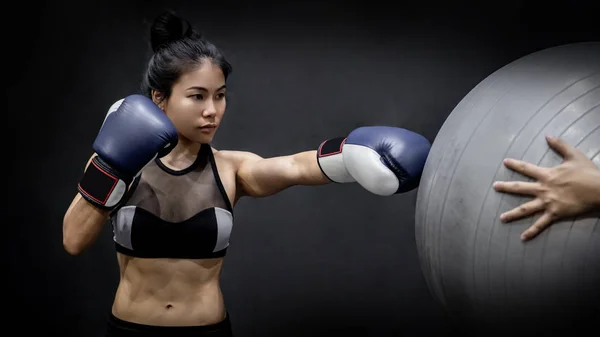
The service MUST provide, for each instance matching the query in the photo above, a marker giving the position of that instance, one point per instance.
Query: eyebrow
(204, 89)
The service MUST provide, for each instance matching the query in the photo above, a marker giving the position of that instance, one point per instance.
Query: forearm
(82, 224)
(309, 172)
(262, 177)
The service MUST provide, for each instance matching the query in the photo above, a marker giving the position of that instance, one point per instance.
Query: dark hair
(177, 48)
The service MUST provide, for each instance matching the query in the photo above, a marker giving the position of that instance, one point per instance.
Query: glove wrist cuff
(103, 186)
(331, 160)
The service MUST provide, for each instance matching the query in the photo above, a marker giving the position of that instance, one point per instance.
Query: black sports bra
(175, 214)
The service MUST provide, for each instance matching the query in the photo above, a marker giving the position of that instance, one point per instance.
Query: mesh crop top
(175, 214)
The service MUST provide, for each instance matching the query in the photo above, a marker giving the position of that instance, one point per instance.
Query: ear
(158, 98)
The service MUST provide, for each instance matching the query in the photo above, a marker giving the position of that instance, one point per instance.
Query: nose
(210, 110)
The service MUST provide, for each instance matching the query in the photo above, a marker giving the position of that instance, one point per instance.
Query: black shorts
(119, 328)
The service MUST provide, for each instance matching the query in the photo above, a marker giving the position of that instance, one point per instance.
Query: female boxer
(569, 189)
(170, 195)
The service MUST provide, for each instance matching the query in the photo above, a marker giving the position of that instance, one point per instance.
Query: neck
(182, 155)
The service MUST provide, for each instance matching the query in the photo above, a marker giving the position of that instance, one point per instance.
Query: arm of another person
(569, 189)
(82, 223)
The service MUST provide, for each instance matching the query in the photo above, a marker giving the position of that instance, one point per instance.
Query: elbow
(71, 243)
(71, 246)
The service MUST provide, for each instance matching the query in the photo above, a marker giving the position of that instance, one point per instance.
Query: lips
(208, 128)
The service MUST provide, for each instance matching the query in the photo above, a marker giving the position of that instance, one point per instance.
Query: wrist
(331, 161)
(596, 188)
(103, 186)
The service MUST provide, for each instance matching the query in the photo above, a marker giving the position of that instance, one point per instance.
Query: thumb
(560, 146)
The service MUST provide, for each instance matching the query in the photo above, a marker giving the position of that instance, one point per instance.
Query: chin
(204, 139)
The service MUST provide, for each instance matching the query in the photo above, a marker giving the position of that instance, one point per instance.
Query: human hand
(569, 189)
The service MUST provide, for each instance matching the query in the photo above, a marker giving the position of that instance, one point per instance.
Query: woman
(569, 189)
(170, 195)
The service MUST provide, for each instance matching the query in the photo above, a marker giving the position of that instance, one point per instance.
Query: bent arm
(261, 177)
(82, 224)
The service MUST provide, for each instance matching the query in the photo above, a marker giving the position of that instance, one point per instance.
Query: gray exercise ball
(477, 266)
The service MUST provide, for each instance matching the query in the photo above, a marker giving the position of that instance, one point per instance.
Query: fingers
(541, 223)
(560, 146)
(526, 209)
(517, 187)
(567, 151)
(525, 168)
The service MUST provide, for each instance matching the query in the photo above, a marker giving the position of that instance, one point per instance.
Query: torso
(175, 291)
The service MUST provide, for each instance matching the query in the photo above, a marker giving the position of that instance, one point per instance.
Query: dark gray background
(310, 261)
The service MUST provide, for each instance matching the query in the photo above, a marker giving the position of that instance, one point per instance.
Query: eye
(198, 96)
(221, 95)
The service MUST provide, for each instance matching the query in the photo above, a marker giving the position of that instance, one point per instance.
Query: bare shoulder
(233, 164)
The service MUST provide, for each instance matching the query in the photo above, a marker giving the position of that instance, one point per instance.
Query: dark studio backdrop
(310, 261)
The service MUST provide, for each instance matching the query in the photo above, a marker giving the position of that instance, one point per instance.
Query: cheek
(175, 114)
(180, 114)
(185, 107)
(220, 107)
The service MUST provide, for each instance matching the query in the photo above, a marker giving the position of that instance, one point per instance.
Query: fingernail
(523, 237)
(503, 217)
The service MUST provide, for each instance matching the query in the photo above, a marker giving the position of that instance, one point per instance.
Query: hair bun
(168, 28)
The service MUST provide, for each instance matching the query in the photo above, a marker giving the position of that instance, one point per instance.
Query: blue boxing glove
(135, 131)
(383, 160)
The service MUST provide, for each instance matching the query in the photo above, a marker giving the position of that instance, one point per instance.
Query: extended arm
(383, 160)
(261, 177)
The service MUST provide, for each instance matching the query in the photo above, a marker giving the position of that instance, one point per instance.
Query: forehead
(207, 75)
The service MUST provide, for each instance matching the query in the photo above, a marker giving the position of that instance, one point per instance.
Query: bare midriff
(169, 292)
